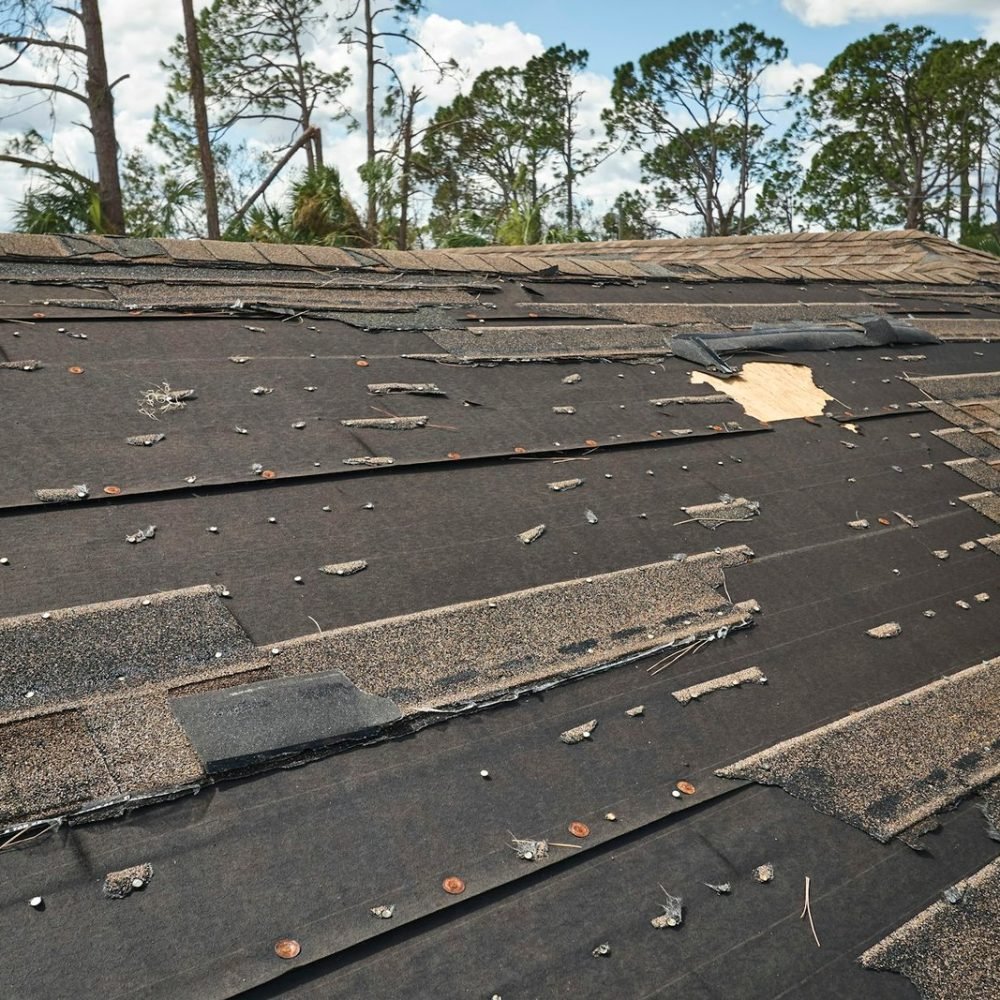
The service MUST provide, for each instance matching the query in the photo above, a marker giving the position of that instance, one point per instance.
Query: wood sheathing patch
(474, 651)
(951, 949)
(887, 767)
(770, 391)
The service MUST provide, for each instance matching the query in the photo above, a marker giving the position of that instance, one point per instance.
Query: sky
(481, 34)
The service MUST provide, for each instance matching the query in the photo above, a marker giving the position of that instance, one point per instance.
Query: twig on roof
(19, 838)
(671, 658)
(316, 623)
(807, 912)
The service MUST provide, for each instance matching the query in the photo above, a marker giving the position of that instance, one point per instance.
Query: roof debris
(579, 733)
(261, 390)
(751, 675)
(981, 598)
(858, 525)
(941, 554)
(240, 359)
(590, 516)
(726, 510)
(21, 366)
(384, 912)
(345, 568)
(145, 440)
(413, 388)
(118, 885)
(565, 484)
(673, 912)
(373, 461)
(532, 534)
(602, 950)
(79, 492)
(886, 631)
(571, 379)
(163, 399)
(569, 410)
(712, 397)
(637, 710)
(387, 423)
(906, 519)
(763, 873)
(720, 888)
(141, 535)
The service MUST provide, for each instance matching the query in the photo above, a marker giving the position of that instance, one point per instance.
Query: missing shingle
(752, 675)
(387, 423)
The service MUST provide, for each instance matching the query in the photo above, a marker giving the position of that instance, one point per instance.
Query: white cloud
(828, 13)
(778, 80)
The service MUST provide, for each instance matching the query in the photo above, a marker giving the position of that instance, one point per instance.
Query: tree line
(902, 128)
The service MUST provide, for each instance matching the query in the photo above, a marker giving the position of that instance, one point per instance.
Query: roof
(400, 605)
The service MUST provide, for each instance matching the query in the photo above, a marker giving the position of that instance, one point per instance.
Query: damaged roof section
(138, 697)
(890, 766)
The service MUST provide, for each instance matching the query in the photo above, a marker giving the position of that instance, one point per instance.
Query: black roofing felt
(307, 852)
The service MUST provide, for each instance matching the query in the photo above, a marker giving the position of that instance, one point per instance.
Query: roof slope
(479, 537)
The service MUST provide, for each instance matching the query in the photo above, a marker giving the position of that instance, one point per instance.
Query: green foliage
(696, 108)
(59, 204)
(509, 149)
(317, 212)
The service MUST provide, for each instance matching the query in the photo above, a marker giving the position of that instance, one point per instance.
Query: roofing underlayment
(361, 634)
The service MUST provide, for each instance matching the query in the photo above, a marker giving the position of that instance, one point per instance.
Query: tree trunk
(201, 121)
(403, 239)
(102, 120)
(372, 221)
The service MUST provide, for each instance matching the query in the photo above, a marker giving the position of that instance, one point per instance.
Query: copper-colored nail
(269, 474)
(519, 450)
(112, 491)
(75, 370)
(454, 454)
(590, 443)
(686, 787)
(453, 885)
(287, 948)
(361, 363)
(579, 829)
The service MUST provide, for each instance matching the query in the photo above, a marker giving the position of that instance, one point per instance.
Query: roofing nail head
(29, 694)
(36, 903)
(4, 561)
(213, 529)
(225, 592)
(272, 520)
(485, 775)
(146, 602)
(297, 579)
(46, 615)
(327, 509)
(138, 883)
(676, 794)
(275, 651)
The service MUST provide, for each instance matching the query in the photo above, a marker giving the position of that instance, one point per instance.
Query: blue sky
(617, 32)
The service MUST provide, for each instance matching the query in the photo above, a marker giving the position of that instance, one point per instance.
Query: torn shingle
(886, 631)
(372, 461)
(887, 767)
(952, 948)
(565, 484)
(63, 495)
(118, 885)
(532, 534)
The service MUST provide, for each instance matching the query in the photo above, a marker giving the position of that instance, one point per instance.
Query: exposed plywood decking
(770, 391)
